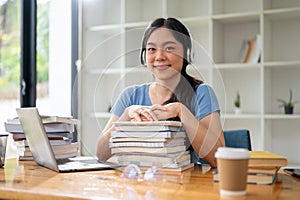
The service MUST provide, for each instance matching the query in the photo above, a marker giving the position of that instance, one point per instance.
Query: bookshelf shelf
(111, 33)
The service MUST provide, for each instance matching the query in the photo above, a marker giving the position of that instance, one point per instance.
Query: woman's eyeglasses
(132, 171)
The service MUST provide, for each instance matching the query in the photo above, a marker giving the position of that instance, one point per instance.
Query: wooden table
(27, 180)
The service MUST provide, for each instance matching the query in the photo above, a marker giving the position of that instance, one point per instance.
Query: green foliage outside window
(10, 43)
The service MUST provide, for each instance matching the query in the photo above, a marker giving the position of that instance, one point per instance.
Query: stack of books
(59, 131)
(263, 167)
(161, 144)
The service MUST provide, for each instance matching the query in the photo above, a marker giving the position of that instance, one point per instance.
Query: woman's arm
(103, 151)
(205, 135)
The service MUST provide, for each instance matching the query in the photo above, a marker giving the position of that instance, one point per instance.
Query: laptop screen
(36, 137)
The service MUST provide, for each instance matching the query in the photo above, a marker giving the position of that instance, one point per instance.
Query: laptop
(41, 149)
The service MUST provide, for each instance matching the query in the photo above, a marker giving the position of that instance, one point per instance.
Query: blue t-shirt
(203, 103)
(206, 101)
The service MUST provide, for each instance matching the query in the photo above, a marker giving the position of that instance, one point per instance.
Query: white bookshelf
(111, 33)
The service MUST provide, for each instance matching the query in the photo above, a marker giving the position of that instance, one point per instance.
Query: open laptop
(42, 151)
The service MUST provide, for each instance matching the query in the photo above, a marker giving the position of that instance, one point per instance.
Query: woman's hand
(163, 112)
(141, 113)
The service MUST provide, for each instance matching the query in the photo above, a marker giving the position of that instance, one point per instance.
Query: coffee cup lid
(232, 153)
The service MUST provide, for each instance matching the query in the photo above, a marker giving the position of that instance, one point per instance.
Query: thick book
(51, 136)
(172, 170)
(155, 158)
(149, 126)
(254, 178)
(48, 119)
(57, 156)
(63, 141)
(57, 149)
(146, 144)
(266, 159)
(154, 150)
(156, 164)
(145, 139)
(49, 127)
(148, 134)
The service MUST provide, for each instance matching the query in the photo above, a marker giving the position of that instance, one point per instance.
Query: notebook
(42, 151)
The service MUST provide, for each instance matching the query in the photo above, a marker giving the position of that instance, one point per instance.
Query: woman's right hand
(139, 113)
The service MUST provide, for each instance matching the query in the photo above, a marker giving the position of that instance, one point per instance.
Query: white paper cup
(232, 168)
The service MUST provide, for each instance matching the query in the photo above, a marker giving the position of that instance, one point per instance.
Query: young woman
(174, 94)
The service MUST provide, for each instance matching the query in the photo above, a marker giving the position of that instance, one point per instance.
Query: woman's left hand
(163, 112)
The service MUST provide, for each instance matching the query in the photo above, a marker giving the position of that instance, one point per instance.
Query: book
(62, 141)
(154, 150)
(149, 126)
(148, 123)
(49, 127)
(243, 51)
(256, 51)
(148, 134)
(157, 164)
(263, 167)
(57, 149)
(51, 136)
(143, 139)
(249, 50)
(57, 156)
(172, 170)
(47, 119)
(146, 144)
(164, 158)
(254, 178)
(265, 159)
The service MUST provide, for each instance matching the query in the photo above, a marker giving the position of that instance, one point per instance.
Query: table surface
(27, 180)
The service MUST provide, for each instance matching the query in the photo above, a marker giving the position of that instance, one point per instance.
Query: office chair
(237, 138)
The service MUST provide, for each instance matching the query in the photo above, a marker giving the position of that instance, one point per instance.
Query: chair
(237, 138)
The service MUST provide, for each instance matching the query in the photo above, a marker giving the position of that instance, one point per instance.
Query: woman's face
(164, 54)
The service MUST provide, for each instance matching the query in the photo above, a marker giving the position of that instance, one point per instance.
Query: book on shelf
(49, 127)
(243, 51)
(250, 51)
(157, 126)
(256, 50)
(265, 159)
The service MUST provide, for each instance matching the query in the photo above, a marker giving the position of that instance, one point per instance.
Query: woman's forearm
(205, 135)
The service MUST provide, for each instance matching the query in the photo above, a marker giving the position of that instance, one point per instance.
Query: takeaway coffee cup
(3, 142)
(232, 166)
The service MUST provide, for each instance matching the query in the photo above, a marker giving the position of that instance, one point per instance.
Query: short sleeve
(206, 101)
(133, 95)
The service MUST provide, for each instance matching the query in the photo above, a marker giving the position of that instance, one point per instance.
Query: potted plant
(288, 105)
(237, 103)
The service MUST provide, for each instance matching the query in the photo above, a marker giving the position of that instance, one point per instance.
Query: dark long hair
(186, 88)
